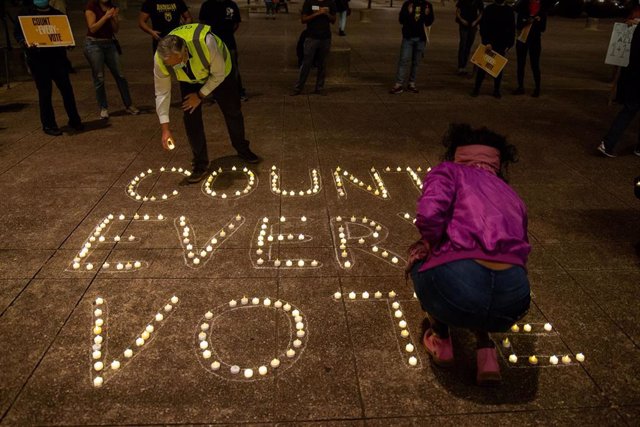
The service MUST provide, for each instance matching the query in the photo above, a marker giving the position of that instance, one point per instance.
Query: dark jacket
(498, 27)
(629, 81)
(522, 16)
(413, 23)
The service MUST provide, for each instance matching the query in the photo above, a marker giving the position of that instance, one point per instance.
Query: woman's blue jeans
(411, 52)
(100, 53)
(468, 295)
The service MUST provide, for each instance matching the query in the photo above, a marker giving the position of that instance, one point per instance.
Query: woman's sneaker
(603, 150)
(488, 367)
(397, 89)
(441, 350)
(132, 110)
(104, 113)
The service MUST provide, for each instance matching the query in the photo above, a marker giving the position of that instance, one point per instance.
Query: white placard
(620, 45)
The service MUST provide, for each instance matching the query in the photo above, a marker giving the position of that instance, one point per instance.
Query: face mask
(41, 3)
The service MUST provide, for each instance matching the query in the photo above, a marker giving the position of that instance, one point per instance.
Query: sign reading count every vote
(47, 30)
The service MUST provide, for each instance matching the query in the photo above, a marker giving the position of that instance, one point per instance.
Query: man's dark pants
(467, 37)
(315, 53)
(228, 98)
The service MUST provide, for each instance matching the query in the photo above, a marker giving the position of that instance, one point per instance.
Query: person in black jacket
(532, 14)
(498, 32)
(631, 99)
(223, 16)
(415, 16)
(49, 65)
(468, 15)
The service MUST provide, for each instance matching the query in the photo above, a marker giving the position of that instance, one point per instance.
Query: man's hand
(110, 13)
(166, 136)
(325, 10)
(488, 48)
(464, 22)
(155, 35)
(191, 102)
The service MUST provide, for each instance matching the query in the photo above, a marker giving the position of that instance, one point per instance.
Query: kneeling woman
(474, 226)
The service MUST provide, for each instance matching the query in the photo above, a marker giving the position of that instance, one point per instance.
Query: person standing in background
(468, 15)
(49, 65)
(498, 32)
(531, 18)
(415, 16)
(318, 15)
(223, 16)
(165, 15)
(101, 48)
(343, 10)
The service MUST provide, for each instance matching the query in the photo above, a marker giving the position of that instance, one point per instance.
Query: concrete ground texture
(317, 334)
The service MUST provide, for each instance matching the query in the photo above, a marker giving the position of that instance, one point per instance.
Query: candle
(365, 295)
(215, 365)
(115, 365)
(206, 354)
(409, 348)
(291, 352)
(513, 358)
(140, 342)
(527, 328)
(97, 382)
(159, 317)
(262, 370)
(402, 324)
(235, 369)
(98, 366)
(413, 361)
(404, 333)
(533, 360)
(548, 327)
(553, 360)
(398, 314)
(378, 295)
(275, 363)
(515, 328)
(580, 357)
(248, 373)
(145, 335)
(96, 355)
(128, 353)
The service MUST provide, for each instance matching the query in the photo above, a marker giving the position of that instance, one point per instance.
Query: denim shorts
(465, 294)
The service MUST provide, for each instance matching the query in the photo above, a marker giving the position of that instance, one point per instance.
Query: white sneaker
(104, 113)
(636, 151)
(603, 150)
(132, 110)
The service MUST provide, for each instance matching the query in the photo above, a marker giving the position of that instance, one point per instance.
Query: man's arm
(216, 69)
(143, 17)
(162, 84)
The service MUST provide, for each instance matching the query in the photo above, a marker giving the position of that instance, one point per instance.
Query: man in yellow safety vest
(202, 65)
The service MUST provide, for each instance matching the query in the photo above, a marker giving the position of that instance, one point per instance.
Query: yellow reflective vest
(199, 55)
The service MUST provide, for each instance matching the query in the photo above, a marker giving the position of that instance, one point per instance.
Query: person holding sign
(201, 63)
(468, 15)
(498, 32)
(531, 23)
(49, 65)
(630, 89)
(102, 49)
(416, 17)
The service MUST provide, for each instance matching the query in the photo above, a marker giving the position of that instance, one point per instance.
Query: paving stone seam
(606, 314)
(95, 275)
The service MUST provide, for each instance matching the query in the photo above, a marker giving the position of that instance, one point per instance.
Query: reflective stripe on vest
(199, 55)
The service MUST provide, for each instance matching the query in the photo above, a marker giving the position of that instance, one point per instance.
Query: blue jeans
(619, 125)
(411, 52)
(100, 53)
(342, 20)
(468, 295)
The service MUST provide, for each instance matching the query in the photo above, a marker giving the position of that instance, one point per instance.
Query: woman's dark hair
(460, 134)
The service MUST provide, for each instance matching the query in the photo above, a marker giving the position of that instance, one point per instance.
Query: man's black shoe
(52, 131)
(342, 33)
(320, 92)
(536, 93)
(518, 91)
(249, 156)
(196, 176)
(497, 94)
(295, 92)
(475, 93)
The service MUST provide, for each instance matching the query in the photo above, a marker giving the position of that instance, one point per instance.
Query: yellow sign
(524, 33)
(47, 30)
(490, 61)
